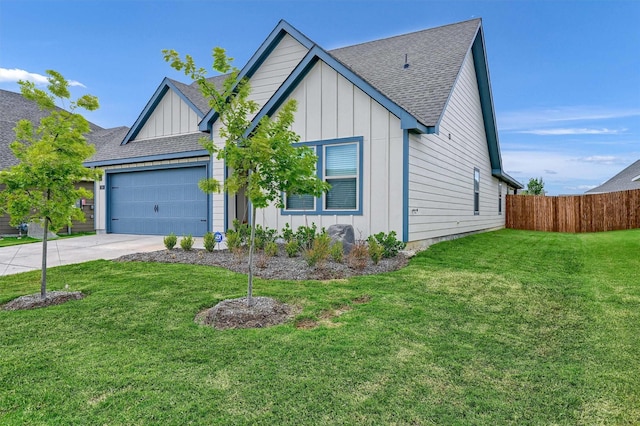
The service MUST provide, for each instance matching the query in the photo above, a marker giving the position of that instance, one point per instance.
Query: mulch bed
(279, 267)
(33, 301)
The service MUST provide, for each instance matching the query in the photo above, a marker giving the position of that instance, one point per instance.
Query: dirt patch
(279, 267)
(33, 301)
(236, 313)
(362, 299)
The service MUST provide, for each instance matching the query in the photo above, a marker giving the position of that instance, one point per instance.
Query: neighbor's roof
(434, 57)
(627, 179)
(15, 107)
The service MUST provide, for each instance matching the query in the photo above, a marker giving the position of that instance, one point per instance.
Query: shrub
(337, 252)
(319, 253)
(243, 230)
(209, 241)
(264, 236)
(292, 248)
(271, 249)
(306, 235)
(359, 256)
(390, 244)
(375, 250)
(170, 241)
(287, 233)
(234, 240)
(186, 243)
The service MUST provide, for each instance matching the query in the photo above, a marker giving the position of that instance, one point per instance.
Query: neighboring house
(404, 129)
(627, 179)
(13, 108)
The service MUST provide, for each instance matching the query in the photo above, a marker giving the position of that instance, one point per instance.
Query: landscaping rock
(344, 234)
(35, 230)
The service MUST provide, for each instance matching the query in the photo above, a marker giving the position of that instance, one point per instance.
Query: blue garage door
(158, 202)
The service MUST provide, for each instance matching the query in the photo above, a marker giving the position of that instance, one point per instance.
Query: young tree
(42, 186)
(264, 162)
(535, 187)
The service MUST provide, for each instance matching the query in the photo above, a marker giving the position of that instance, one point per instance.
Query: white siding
(330, 107)
(172, 116)
(100, 197)
(441, 179)
(275, 69)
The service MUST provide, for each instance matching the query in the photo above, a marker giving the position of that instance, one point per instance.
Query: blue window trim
(110, 172)
(319, 202)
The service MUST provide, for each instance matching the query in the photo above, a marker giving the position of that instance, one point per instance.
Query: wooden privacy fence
(575, 213)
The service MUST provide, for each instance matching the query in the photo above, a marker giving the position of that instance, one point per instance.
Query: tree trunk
(43, 281)
(251, 245)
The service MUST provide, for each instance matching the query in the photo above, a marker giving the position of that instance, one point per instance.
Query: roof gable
(166, 85)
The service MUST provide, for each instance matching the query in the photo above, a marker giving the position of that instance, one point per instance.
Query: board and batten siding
(275, 69)
(172, 116)
(331, 107)
(441, 170)
(265, 81)
(100, 195)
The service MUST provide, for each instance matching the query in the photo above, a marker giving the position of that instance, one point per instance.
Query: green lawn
(509, 327)
(14, 241)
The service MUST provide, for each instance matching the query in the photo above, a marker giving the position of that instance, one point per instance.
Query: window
(500, 198)
(341, 172)
(340, 165)
(476, 191)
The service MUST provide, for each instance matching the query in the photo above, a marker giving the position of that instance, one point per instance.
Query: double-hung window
(340, 165)
(341, 172)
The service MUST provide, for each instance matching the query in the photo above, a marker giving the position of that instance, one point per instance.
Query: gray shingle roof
(112, 150)
(14, 107)
(623, 181)
(434, 56)
(192, 92)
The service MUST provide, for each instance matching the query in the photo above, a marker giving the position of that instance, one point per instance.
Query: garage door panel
(158, 202)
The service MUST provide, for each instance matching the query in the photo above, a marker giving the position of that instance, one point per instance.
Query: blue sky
(565, 74)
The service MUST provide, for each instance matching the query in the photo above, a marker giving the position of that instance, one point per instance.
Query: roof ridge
(406, 34)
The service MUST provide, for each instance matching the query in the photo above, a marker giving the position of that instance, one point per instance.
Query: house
(627, 179)
(13, 108)
(404, 130)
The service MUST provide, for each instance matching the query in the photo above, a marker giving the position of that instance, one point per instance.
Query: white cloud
(15, 74)
(603, 159)
(572, 131)
(544, 117)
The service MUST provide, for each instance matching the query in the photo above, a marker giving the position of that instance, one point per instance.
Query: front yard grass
(508, 327)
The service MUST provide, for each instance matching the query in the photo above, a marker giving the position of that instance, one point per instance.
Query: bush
(359, 256)
(170, 241)
(337, 252)
(264, 236)
(287, 233)
(243, 230)
(271, 249)
(306, 235)
(319, 253)
(375, 250)
(186, 243)
(234, 240)
(292, 248)
(390, 244)
(209, 241)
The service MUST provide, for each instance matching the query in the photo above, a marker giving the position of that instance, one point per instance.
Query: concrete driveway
(28, 257)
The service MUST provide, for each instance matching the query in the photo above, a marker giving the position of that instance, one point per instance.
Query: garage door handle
(113, 218)
(203, 220)
(155, 208)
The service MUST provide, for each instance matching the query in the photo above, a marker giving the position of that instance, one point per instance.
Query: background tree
(534, 187)
(42, 186)
(264, 162)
